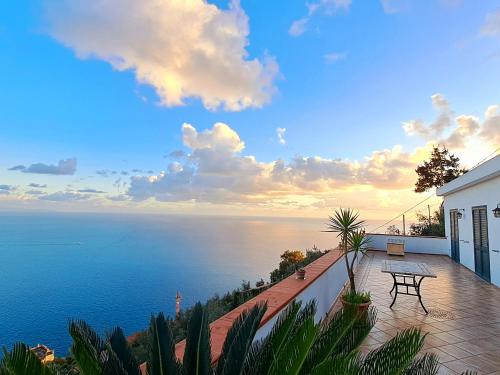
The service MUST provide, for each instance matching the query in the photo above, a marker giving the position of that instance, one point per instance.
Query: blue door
(454, 236)
(481, 246)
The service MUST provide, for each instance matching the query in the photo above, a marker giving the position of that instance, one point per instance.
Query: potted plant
(301, 273)
(353, 241)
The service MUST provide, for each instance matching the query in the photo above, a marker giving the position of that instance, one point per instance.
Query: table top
(407, 268)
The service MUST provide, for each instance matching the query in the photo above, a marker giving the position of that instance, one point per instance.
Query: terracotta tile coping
(277, 297)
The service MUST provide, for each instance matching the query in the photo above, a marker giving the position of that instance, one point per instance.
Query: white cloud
(325, 7)
(280, 133)
(394, 6)
(334, 57)
(438, 127)
(491, 26)
(490, 129)
(467, 126)
(457, 132)
(184, 49)
(298, 27)
(220, 138)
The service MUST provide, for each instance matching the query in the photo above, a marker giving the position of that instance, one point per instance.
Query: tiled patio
(463, 323)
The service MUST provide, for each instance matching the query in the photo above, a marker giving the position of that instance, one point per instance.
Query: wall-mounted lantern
(460, 213)
(496, 211)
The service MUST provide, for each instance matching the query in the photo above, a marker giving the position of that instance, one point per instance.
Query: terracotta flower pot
(361, 308)
(301, 274)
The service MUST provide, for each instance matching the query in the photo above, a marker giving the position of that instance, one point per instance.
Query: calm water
(117, 269)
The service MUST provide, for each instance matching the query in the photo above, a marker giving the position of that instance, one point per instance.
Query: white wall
(325, 290)
(486, 193)
(413, 244)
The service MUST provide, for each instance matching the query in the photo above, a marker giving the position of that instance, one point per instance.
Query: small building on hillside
(44, 354)
(472, 219)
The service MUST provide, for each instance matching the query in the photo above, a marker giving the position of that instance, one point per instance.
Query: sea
(117, 269)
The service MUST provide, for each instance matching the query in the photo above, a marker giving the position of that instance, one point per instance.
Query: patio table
(414, 272)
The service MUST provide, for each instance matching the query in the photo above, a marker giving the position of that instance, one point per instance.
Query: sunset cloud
(34, 185)
(65, 196)
(184, 49)
(457, 132)
(6, 189)
(217, 171)
(63, 167)
(90, 190)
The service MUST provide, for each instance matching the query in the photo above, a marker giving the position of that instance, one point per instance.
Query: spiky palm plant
(345, 222)
(22, 361)
(296, 345)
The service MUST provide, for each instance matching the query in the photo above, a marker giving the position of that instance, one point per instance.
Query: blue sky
(342, 87)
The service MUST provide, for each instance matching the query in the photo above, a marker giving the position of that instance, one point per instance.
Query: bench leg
(394, 287)
(417, 288)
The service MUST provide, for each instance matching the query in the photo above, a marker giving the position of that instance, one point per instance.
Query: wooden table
(407, 270)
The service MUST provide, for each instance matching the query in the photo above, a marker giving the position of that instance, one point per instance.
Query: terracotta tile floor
(463, 323)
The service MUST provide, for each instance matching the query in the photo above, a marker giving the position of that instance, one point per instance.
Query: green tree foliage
(392, 230)
(442, 167)
(293, 260)
(434, 228)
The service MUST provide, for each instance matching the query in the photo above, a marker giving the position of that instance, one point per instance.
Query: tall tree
(441, 168)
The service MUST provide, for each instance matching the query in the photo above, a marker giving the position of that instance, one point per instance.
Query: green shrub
(357, 297)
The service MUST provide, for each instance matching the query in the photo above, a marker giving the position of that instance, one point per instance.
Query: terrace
(463, 323)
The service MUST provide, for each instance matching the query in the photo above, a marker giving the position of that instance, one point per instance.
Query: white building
(472, 228)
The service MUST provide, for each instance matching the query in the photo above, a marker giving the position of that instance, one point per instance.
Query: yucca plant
(345, 223)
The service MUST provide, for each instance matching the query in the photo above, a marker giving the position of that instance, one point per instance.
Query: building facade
(472, 219)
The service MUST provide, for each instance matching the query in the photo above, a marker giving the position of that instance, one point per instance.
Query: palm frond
(341, 334)
(344, 221)
(428, 364)
(396, 355)
(345, 364)
(261, 353)
(239, 340)
(358, 241)
(86, 348)
(197, 354)
(305, 314)
(91, 353)
(22, 361)
(120, 347)
(291, 357)
(362, 327)
(162, 358)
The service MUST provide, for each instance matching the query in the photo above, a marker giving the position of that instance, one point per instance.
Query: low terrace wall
(413, 244)
(325, 279)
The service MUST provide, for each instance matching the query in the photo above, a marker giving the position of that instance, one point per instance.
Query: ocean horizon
(117, 269)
